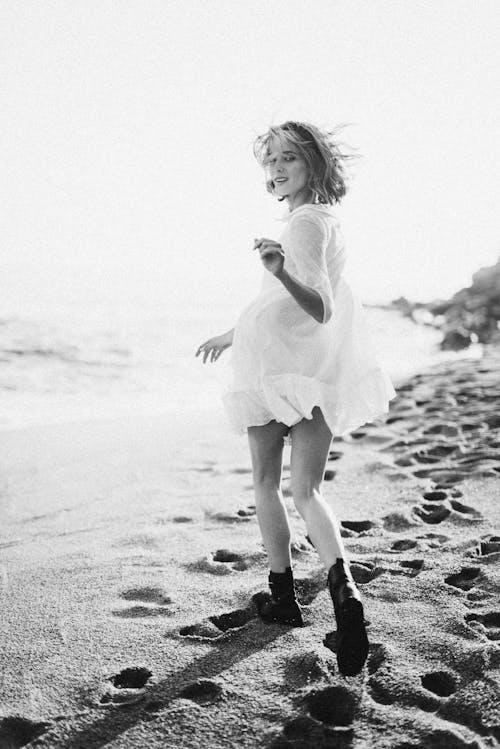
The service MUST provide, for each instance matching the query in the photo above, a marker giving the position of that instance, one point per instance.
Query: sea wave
(63, 366)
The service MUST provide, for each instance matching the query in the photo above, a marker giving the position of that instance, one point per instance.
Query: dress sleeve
(306, 245)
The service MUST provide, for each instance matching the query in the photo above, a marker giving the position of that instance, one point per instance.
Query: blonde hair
(320, 150)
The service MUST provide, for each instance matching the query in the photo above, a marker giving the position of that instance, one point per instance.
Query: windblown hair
(328, 177)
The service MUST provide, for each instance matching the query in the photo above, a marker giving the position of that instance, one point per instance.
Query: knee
(303, 496)
(265, 482)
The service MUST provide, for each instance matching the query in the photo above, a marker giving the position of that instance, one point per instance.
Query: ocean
(86, 360)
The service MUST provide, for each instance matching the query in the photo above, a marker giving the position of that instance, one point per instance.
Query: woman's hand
(271, 254)
(215, 346)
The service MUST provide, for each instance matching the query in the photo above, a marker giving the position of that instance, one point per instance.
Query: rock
(455, 340)
(472, 314)
(403, 305)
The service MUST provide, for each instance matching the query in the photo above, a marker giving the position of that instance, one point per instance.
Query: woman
(301, 370)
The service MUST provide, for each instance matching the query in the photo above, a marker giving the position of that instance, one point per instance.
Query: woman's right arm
(215, 346)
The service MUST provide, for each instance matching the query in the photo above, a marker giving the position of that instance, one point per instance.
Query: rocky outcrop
(471, 315)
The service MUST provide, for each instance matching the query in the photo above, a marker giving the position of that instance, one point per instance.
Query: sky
(127, 130)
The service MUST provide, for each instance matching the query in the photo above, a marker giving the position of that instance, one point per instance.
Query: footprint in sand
(442, 683)
(150, 595)
(489, 623)
(301, 731)
(442, 476)
(448, 479)
(16, 731)
(422, 456)
(358, 435)
(435, 496)
(466, 579)
(414, 565)
(441, 451)
(127, 687)
(446, 430)
(329, 709)
(230, 557)
(478, 595)
(388, 685)
(432, 514)
(394, 419)
(222, 562)
(462, 509)
(202, 691)
(334, 705)
(215, 627)
(358, 526)
(365, 572)
(404, 544)
(240, 516)
(248, 513)
(398, 521)
(298, 546)
(434, 540)
(156, 599)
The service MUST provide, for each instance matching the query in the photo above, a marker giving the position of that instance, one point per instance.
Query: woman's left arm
(306, 246)
(309, 299)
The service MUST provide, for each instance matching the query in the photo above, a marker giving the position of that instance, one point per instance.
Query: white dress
(283, 362)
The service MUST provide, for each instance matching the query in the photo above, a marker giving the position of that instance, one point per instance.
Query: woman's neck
(300, 199)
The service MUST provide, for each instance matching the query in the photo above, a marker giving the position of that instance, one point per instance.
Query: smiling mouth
(281, 179)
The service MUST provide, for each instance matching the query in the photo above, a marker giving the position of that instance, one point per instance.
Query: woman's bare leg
(310, 444)
(266, 450)
(311, 439)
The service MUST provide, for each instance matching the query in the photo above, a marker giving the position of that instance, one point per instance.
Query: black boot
(352, 641)
(281, 606)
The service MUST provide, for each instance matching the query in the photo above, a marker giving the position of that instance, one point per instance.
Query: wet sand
(130, 552)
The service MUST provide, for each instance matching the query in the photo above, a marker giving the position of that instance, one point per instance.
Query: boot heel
(281, 606)
(352, 640)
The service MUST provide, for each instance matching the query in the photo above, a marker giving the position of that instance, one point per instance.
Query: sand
(130, 551)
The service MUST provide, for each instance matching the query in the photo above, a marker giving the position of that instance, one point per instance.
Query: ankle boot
(281, 606)
(352, 641)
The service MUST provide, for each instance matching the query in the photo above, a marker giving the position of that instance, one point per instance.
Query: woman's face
(288, 170)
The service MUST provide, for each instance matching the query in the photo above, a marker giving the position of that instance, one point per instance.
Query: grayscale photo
(250, 374)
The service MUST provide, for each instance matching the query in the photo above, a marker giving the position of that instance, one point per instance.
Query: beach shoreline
(130, 552)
